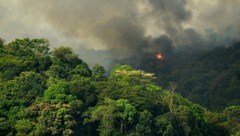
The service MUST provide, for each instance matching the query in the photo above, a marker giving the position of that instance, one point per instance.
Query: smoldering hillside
(123, 30)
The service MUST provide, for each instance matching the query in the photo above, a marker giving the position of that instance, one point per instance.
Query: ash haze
(102, 31)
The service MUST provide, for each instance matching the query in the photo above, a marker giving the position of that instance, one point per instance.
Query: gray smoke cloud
(102, 31)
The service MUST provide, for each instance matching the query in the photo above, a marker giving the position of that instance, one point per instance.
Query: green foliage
(98, 73)
(28, 85)
(104, 114)
(119, 68)
(23, 127)
(5, 126)
(65, 57)
(12, 66)
(56, 93)
(167, 125)
(62, 52)
(232, 115)
(144, 127)
(84, 90)
(210, 78)
(126, 112)
(1, 42)
(81, 70)
(27, 47)
(24, 55)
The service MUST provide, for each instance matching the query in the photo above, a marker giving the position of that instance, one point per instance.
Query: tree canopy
(56, 93)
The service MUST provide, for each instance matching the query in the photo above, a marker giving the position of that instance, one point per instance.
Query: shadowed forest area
(45, 92)
(208, 77)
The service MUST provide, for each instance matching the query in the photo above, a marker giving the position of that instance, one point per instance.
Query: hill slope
(210, 78)
(43, 93)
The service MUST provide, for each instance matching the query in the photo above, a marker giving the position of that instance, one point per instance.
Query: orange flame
(159, 56)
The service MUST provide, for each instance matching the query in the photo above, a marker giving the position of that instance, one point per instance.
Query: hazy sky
(103, 30)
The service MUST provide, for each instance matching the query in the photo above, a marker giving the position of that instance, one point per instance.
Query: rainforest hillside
(208, 77)
(56, 93)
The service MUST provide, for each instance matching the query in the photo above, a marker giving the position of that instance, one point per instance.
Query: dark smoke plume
(103, 31)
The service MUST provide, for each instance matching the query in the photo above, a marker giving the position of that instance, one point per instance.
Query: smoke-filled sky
(101, 31)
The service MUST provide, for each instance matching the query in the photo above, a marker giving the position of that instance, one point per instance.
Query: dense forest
(208, 77)
(45, 92)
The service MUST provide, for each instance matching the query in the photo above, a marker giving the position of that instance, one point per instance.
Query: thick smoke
(113, 30)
